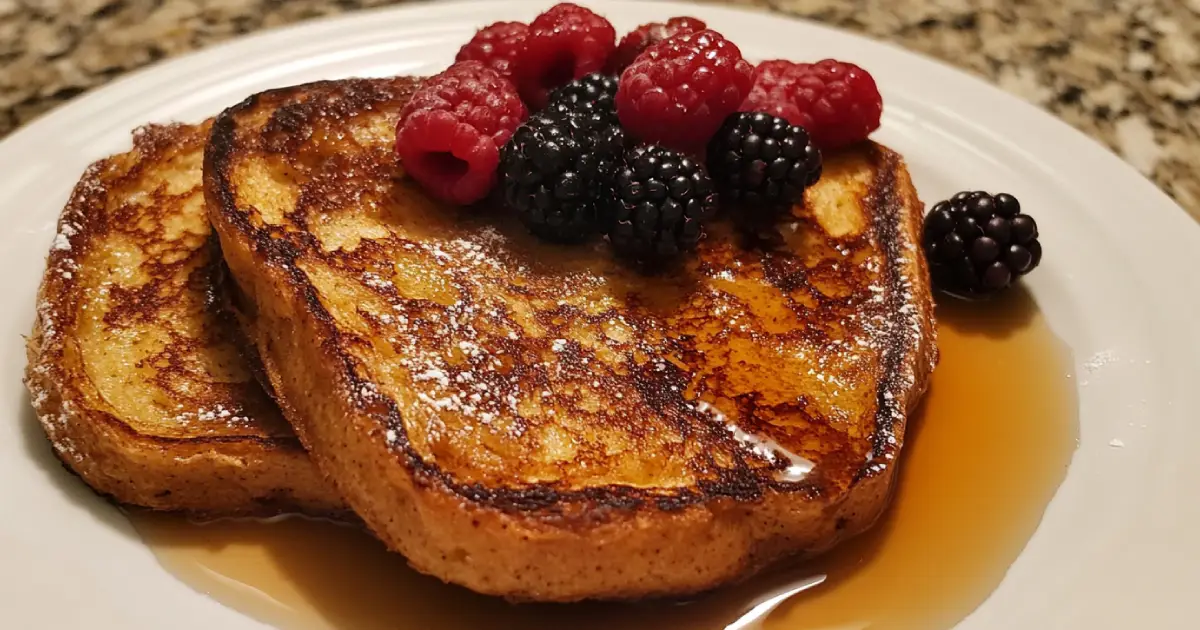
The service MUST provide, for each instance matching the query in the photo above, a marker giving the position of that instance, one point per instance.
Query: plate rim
(1068, 138)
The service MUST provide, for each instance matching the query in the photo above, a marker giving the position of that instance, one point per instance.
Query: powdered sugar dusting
(464, 376)
(375, 281)
(433, 374)
(218, 413)
(62, 240)
(1099, 360)
(66, 301)
(497, 353)
(56, 422)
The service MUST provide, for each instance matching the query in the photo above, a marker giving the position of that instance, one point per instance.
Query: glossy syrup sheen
(984, 454)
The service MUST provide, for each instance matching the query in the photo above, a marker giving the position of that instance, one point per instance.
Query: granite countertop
(1126, 72)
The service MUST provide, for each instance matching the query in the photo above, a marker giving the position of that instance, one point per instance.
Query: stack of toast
(520, 418)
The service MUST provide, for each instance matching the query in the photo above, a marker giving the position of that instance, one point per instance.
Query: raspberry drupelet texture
(645, 36)
(838, 103)
(451, 131)
(496, 46)
(770, 73)
(679, 91)
(566, 42)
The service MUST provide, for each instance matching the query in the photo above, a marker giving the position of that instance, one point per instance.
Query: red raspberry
(496, 46)
(770, 73)
(772, 79)
(564, 43)
(647, 35)
(451, 131)
(837, 102)
(679, 91)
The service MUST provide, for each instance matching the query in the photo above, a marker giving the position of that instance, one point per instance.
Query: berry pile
(979, 243)
(643, 140)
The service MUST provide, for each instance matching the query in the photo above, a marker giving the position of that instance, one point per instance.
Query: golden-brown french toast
(544, 422)
(135, 372)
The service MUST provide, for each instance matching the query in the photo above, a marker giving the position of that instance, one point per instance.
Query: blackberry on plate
(555, 170)
(978, 243)
(594, 93)
(762, 161)
(660, 201)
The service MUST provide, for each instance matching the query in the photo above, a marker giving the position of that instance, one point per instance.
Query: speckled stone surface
(1127, 72)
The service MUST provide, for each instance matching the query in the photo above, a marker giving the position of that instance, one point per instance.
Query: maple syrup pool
(964, 508)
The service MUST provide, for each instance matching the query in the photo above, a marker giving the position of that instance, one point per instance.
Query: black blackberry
(594, 93)
(760, 161)
(660, 201)
(555, 169)
(979, 243)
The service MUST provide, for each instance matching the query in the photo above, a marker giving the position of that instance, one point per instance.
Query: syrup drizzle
(797, 467)
(984, 455)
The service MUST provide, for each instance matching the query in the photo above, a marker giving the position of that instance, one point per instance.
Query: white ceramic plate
(1118, 547)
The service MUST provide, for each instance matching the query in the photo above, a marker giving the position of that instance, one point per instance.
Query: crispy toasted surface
(544, 422)
(135, 372)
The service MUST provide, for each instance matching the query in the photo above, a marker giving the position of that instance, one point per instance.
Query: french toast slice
(136, 374)
(544, 422)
